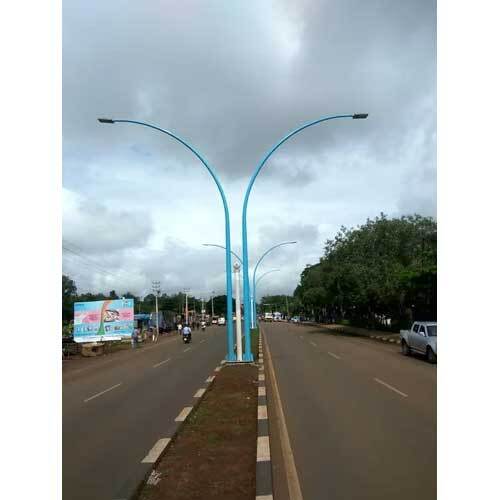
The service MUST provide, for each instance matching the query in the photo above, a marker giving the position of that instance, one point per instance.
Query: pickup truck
(422, 338)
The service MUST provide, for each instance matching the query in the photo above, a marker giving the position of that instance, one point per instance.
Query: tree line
(382, 274)
(174, 302)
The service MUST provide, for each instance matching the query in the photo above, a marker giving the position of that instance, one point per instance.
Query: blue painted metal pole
(254, 306)
(229, 283)
(254, 295)
(246, 281)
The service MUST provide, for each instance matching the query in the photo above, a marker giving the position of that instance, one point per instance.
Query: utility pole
(186, 310)
(213, 293)
(287, 311)
(156, 291)
(239, 352)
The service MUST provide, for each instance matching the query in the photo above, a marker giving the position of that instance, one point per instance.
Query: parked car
(422, 338)
(215, 320)
(295, 319)
(221, 321)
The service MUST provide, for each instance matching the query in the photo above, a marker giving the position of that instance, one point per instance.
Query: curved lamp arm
(246, 280)
(265, 274)
(223, 247)
(268, 251)
(229, 284)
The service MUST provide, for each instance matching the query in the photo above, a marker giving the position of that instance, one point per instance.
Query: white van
(221, 321)
(268, 316)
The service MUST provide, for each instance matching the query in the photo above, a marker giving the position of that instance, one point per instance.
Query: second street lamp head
(105, 120)
(360, 116)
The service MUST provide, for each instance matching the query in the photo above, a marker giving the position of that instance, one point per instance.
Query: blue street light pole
(246, 281)
(253, 307)
(229, 284)
(253, 299)
(254, 296)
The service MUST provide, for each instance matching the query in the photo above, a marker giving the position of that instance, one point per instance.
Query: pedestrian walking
(179, 328)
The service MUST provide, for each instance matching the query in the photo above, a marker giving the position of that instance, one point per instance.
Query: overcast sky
(232, 78)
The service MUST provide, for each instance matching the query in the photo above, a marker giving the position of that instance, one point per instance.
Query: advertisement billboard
(103, 320)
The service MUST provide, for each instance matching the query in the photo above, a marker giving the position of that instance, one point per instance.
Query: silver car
(422, 338)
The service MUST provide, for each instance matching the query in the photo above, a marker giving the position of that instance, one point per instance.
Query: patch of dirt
(213, 456)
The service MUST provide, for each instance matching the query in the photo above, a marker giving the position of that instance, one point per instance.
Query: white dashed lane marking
(333, 355)
(390, 387)
(161, 362)
(102, 392)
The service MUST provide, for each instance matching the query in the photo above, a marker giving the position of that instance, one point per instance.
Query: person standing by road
(179, 328)
(135, 337)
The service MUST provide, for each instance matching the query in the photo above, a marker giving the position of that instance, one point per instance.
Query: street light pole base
(248, 358)
(231, 357)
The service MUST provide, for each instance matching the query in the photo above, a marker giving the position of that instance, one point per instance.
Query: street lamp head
(105, 120)
(360, 116)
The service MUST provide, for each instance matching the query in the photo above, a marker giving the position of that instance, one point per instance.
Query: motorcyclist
(186, 330)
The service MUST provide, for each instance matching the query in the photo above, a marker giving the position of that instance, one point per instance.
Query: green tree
(385, 268)
(69, 294)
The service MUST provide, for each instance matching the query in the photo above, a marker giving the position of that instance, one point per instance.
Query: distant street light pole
(156, 290)
(186, 309)
(229, 284)
(237, 267)
(254, 297)
(213, 293)
(253, 307)
(246, 280)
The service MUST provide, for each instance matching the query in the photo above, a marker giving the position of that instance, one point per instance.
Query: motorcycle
(186, 338)
(203, 326)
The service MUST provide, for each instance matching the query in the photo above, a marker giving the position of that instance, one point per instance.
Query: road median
(213, 454)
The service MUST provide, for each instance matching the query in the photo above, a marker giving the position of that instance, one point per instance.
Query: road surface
(116, 408)
(360, 417)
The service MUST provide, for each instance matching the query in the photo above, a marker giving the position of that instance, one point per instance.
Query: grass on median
(213, 456)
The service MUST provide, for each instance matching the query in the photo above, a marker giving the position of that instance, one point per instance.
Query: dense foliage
(380, 274)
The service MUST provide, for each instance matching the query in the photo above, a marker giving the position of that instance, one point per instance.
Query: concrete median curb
(343, 330)
(391, 340)
(156, 453)
(263, 469)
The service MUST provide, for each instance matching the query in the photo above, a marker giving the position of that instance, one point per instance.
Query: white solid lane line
(390, 387)
(161, 362)
(334, 355)
(312, 343)
(101, 393)
(186, 350)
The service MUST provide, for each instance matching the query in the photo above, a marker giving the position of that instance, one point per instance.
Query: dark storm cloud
(232, 78)
(218, 74)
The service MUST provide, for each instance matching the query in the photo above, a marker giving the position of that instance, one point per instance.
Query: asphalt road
(115, 408)
(361, 417)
